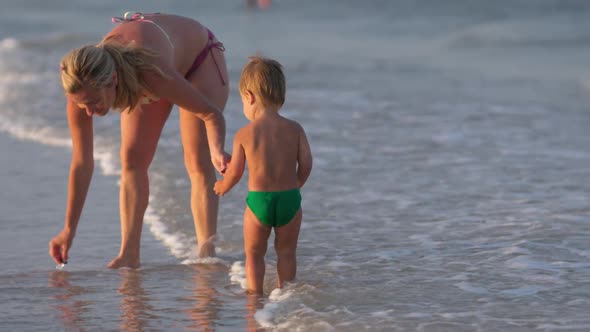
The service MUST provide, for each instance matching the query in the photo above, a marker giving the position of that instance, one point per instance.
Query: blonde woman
(144, 66)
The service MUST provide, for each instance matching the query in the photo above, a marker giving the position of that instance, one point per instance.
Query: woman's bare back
(182, 36)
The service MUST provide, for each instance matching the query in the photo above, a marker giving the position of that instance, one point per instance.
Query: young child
(279, 162)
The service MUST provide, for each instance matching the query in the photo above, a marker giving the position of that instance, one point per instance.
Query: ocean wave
(519, 34)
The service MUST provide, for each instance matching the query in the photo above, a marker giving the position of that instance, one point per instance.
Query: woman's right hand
(220, 161)
(60, 245)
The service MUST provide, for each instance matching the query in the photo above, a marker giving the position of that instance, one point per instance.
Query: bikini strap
(219, 45)
(137, 16)
(128, 17)
(211, 42)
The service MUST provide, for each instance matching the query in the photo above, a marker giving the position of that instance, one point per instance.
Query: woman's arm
(81, 169)
(235, 170)
(179, 91)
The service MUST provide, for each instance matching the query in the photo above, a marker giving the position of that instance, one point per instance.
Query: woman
(144, 66)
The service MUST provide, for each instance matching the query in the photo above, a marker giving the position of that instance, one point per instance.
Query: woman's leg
(197, 158)
(255, 244)
(204, 202)
(286, 247)
(140, 131)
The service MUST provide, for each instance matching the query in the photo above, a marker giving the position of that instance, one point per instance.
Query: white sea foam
(382, 314)
(569, 327)
(237, 274)
(205, 261)
(583, 253)
(50, 136)
(514, 250)
(277, 298)
(44, 135)
(455, 315)
(525, 262)
(338, 264)
(10, 79)
(288, 309)
(459, 277)
(106, 161)
(471, 288)
(9, 44)
(570, 265)
(417, 315)
(578, 302)
(178, 243)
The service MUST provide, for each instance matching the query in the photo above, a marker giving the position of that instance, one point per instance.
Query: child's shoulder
(298, 127)
(293, 123)
(244, 131)
(248, 132)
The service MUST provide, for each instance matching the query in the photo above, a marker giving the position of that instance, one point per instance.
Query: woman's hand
(221, 161)
(60, 245)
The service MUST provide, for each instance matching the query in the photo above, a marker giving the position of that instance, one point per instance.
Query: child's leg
(255, 243)
(286, 246)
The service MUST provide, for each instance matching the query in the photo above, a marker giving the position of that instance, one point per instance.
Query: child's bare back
(271, 145)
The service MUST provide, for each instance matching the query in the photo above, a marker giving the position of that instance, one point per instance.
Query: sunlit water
(449, 190)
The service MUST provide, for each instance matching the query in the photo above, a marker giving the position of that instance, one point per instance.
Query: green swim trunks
(274, 208)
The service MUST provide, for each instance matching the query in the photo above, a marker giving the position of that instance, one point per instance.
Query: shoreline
(34, 206)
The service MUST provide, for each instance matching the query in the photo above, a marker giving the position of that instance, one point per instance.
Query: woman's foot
(120, 262)
(207, 248)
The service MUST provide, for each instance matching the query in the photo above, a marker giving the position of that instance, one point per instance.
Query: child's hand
(218, 188)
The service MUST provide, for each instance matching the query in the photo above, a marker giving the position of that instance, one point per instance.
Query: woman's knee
(135, 159)
(199, 168)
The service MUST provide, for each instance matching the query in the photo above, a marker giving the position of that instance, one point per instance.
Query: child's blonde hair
(265, 79)
(95, 64)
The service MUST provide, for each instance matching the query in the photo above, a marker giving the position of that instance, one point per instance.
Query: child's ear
(251, 97)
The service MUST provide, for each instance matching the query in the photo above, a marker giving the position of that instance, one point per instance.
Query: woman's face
(95, 101)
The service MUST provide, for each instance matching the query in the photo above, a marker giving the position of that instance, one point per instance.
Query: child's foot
(120, 262)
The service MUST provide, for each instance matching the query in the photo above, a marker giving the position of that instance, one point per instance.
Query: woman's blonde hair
(94, 65)
(265, 79)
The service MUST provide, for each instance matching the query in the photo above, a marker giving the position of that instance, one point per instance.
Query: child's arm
(304, 159)
(235, 170)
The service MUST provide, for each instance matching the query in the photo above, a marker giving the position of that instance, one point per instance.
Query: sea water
(449, 191)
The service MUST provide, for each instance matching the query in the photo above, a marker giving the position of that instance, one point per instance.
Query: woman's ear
(115, 78)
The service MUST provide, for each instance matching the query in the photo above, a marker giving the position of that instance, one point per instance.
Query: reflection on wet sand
(135, 307)
(254, 302)
(205, 302)
(69, 308)
(206, 298)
